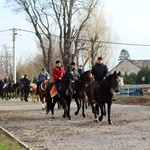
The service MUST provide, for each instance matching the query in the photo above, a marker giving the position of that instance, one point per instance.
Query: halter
(42, 87)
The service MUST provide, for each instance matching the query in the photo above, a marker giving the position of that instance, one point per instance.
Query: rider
(42, 75)
(58, 74)
(5, 82)
(99, 71)
(21, 80)
(35, 80)
(80, 70)
(25, 80)
(73, 68)
(76, 74)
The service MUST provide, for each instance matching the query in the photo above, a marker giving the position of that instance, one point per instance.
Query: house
(130, 66)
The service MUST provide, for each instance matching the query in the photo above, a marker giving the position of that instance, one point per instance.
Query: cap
(73, 63)
(99, 58)
(57, 61)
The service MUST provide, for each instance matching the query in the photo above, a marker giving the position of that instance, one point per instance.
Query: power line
(6, 30)
(88, 40)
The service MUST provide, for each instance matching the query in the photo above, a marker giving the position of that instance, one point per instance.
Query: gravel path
(27, 121)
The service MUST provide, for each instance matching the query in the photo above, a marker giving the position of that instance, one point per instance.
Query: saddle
(53, 91)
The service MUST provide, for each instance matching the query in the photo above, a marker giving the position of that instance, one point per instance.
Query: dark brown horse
(80, 88)
(104, 94)
(25, 90)
(64, 96)
(42, 92)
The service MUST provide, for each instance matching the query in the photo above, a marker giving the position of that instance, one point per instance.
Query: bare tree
(6, 61)
(36, 13)
(96, 32)
(65, 14)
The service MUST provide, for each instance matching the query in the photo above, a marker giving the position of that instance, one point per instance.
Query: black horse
(8, 91)
(80, 96)
(64, 96)
(25, 90)
(1, 88)
(104, 94)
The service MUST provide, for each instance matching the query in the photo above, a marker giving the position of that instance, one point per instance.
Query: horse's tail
(48, 98)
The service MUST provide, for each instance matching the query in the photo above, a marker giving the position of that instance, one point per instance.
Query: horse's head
(86, 76)
(114, 81)
(70, 75)
(44, 84)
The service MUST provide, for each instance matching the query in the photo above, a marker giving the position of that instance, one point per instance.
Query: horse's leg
(102, 112)
(94, 112)
(78, 106)
(68, 105)
(62, 100)
(43, 105)
(83, 103)
(52, 107)
(26, 96)
(109, 111)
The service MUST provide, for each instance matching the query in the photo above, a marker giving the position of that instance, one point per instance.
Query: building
(130, 66)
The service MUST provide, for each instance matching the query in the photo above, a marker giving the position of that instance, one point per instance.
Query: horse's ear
(119, 73)
(114, 72)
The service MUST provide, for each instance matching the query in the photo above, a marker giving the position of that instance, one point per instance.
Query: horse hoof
(76, 113)
(84, 116)
(110, 123)
(96, 120)
(64, 116)
(52, 117)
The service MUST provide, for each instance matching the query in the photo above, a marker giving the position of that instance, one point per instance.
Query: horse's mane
(83, 75)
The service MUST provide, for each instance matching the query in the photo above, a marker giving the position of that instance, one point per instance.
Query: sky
(130, 22)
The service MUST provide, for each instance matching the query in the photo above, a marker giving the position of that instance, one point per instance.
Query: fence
(134, 90)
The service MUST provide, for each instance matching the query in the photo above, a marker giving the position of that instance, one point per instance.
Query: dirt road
(27, 121)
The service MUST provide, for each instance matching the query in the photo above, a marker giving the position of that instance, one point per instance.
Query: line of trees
(143, 77)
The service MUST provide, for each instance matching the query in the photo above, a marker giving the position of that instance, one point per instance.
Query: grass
(8, 143)
(137, 100)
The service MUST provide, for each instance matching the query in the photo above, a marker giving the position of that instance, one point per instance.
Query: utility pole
(14, 54)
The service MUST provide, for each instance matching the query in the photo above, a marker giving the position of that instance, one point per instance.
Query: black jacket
(99, 71)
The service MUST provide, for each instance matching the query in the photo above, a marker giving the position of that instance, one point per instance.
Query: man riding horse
(43, 75)
(99, 71)
(58, 74)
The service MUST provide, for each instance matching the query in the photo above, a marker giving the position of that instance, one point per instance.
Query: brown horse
(80, 96)
(42, 93)
(33, 88)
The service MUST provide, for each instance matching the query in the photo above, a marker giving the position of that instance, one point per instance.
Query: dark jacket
(76, 73)
(99, 71)
(81, 71)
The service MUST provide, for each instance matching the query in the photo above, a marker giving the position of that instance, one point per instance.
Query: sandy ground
(27, 121)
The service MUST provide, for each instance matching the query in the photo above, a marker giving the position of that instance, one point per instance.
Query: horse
(33, 89)
(1, 88)
(104, 94)
(64, 95)
(25, 90)
(16, 89)
(42, 92)
(8, 90)
(80, 88)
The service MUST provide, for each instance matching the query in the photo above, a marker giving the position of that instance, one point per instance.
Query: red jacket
(58, 72)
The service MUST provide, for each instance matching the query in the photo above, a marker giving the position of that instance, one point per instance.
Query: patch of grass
(137, 100)
(8, 143)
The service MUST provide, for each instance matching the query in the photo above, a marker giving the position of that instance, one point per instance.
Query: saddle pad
(53, 91)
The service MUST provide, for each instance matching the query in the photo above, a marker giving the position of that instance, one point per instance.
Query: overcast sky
(131, 22)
